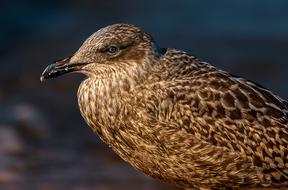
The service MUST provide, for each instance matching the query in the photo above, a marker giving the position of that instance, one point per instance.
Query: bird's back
(201, 108)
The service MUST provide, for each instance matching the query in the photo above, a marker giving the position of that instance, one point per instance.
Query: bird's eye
(112, 50)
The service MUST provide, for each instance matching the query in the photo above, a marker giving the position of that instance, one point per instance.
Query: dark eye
(112, 50)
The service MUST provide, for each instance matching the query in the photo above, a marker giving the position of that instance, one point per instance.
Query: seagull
(177, 118)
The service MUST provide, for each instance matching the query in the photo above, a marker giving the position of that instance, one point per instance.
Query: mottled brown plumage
(177, 118)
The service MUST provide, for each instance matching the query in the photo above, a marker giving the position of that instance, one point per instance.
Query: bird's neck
(102, 96)
(102, 101)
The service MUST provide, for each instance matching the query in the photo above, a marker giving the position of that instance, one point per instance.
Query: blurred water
(247, 38)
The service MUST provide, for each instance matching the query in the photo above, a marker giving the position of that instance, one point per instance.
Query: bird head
(119, 47)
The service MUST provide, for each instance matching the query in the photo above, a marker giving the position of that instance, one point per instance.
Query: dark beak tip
(46, 73)
(59, 68)
(42, 78)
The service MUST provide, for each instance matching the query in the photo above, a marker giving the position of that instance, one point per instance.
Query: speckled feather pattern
(179, 119)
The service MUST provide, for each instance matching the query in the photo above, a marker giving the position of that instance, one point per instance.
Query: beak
(59, 68)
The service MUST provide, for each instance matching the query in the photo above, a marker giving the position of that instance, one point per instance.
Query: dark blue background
(47, 144)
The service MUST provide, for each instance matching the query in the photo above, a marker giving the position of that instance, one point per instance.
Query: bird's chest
(101, 107)
(111, 117)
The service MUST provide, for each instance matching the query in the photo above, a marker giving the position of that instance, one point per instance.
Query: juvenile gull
(175, 117)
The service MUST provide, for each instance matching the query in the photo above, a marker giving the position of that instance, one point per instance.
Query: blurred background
(44, 142)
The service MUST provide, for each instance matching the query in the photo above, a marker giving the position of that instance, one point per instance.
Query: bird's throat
(101, 100)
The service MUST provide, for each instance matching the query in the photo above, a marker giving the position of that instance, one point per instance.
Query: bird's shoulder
(221, 109)
(187, 74)
(178, 64)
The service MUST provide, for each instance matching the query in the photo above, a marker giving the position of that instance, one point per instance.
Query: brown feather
(179, 119)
